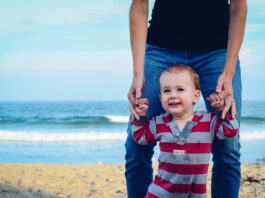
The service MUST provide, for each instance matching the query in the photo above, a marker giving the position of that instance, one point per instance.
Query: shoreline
(95, 180)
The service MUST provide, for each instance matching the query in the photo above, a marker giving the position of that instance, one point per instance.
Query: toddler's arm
(226, 128)
(223, 128)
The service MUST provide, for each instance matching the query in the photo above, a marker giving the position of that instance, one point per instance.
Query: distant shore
(94, 180)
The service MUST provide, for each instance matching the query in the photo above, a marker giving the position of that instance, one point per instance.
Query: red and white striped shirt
(184, 156)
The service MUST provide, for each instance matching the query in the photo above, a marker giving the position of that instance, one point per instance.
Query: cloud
(18, 16)
(256, 2)
(255, 28)
(256, 7)
(112, 62)
(249, 57)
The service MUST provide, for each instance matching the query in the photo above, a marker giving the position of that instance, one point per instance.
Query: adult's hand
(135, 93)
(224, 90)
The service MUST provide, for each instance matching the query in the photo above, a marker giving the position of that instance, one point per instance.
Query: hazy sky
(80, 50)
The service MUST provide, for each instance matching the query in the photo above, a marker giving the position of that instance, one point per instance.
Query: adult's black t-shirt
(189, 24)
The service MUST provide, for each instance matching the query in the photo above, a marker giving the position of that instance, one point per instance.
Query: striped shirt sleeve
(144, 131)
(225, 128)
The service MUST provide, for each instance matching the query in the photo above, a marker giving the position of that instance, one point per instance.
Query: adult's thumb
(219, 86)
(138, 94)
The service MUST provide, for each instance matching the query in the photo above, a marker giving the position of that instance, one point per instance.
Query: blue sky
(80, 50)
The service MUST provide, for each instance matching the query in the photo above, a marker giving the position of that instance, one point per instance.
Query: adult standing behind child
(185, 136)
(206, 35)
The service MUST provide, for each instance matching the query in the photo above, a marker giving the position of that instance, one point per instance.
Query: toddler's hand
(216, 102)
(142, 106)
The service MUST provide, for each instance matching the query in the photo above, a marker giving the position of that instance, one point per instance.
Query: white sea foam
(59, 137)
(254, 135)
(24, 136)
(120, 119)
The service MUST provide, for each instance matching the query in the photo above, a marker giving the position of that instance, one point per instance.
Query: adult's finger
(131, 96)
(219, 86)
(138, 86)
(138, 93)
(133, 112)
(228, 102)
(226, 109)
(233, 109)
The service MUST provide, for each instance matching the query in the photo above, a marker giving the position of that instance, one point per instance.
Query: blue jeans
(209, 65)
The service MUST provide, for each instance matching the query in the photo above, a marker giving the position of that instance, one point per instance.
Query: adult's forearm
(238, 13)
(138, 33)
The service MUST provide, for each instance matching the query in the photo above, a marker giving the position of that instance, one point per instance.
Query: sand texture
(95, 180)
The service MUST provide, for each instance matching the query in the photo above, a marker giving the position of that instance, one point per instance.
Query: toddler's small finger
(211, 98)
(216, 97)
(216, 103)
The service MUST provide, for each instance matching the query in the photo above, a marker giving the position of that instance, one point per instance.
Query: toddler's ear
(197, 95)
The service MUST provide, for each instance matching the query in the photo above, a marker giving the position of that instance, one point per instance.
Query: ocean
(93, 132)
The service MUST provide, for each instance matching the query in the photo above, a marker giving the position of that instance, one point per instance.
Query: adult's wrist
(230, 63)
(138, 74)
(229, 70)
(228, 74)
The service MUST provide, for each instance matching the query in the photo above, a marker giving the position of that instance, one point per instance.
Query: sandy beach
(94, 180)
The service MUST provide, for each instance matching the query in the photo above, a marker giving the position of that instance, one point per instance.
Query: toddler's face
(177, 93)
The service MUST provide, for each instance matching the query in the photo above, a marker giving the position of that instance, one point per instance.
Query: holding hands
(142, 106)
(224, 91)
(135, 93)
(219, 104)
(216, 102)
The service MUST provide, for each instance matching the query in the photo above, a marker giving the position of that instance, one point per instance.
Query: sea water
(93, 132)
